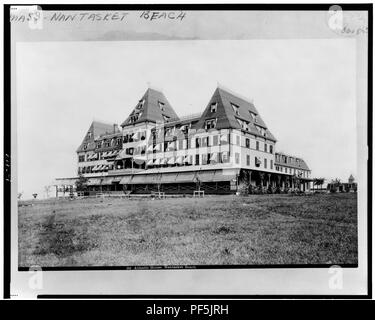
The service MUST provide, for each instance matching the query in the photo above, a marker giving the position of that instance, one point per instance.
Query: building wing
(96, 129)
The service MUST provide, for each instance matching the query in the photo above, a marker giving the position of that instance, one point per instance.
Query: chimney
(115, 128)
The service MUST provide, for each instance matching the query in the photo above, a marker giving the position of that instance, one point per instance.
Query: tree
(318, 182)
(81, 183)
(35, 195)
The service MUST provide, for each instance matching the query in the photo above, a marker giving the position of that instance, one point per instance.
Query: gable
(153, 107)
(231, 112)
(95, 130)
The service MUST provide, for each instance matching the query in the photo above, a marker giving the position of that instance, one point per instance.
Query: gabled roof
(227, 117)
(149, 108)
(95, 131)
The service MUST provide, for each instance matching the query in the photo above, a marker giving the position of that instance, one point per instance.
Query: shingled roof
(153, 106)
(96, 130)
(228, 118)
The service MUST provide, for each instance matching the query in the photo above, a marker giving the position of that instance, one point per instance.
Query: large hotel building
(221, 150)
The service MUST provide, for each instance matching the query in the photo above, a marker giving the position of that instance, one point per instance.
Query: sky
(305, 91)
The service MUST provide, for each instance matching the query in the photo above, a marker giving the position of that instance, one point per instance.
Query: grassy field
(258, 229)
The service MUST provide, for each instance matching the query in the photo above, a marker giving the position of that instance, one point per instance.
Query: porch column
(250, 177)
(261, 174)
(269, 180)
(278, 181)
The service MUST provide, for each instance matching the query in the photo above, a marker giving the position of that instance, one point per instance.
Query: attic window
(261, 130)
(214, 107)
(236, 109)
(161, 105)
(140, 104)
(210, 124)
(84, 146)
(89, 134)
(166, 118)
(253, 116)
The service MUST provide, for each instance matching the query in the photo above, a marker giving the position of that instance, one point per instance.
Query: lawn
(257, 229)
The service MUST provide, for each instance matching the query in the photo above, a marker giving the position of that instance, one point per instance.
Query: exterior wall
(230, 142)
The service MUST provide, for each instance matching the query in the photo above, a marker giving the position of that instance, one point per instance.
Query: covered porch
(272, 182)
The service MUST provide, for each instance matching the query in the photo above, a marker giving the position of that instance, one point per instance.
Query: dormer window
(84, 146)
(140, 104)
(210, 124)
(89, 135)
(166, 118)
(261, 130)
(253, 116)
(236, 109)
(213, 107)
(161, 105)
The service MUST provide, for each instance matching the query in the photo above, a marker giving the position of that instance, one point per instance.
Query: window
(237, 157)
(204, 159)
(225, 157)
(224, 139)
(257, 145)
(253, 116)
(265, 163)
(215, 141)
(213, 107)
(245, 126)
(205, 142)
(210, 124)
(140, 104)
(238, 140)
(180, 144)
(197, 159)
(271, 164)
(89, 135)
(247, 142)
(166, 118)
(271, 149)
(236, 109)
(84, 146)
(257, 162)
(265, 147)
(161, 105)
(248, 160)
(197, 142)
(261, 130)
(81, 158)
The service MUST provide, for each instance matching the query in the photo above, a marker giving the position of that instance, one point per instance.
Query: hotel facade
(226, 148)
